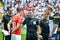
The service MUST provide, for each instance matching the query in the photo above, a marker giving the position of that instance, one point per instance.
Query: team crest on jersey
(34, 22)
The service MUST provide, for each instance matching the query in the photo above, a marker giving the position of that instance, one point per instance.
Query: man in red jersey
(16, 25)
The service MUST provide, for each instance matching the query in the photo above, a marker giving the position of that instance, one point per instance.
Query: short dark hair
(8, 8)
(19, 9)
(18, 1)
(49, 8)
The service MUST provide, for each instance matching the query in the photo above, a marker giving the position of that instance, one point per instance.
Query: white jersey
(51, 25)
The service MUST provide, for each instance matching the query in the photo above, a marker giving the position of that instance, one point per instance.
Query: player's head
(30, 13)
(19, 9)
(9, 9)
(46, 14)
(19, 3)
(49, 9)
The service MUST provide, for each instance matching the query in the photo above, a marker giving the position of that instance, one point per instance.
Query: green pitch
(23, 34)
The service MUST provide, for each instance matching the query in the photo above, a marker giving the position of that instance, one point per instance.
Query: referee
(59, 31)
(44, 25)
(57, 21)
(32, 26)
(5, 19)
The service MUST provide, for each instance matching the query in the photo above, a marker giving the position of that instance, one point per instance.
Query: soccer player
(57, 22)
(16, 25)
(59, 31)
(44, 26)
(32, 26)
(52, 25)
(6, 18)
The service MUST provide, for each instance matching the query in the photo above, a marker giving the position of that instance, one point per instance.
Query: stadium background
(39, 8)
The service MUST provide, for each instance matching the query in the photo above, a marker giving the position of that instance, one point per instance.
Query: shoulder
(4, 16)
(36, 19)
(27, 18)
(51, 17)
(43, 20)
(15, 16)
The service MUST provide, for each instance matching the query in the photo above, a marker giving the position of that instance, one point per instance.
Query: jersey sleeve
(14, 18)
(37, 22)
(19, 20)
(25, 21)
(59, 25)
(3, 18)
(41, 23)
(15, 21)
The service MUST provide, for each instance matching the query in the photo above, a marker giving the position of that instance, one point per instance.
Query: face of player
(10, 11)
(46, 14)
(30, 13)
(47, 9)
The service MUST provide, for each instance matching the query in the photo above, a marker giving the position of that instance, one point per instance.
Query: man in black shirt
(32, 26)
(5, 20)
(44, 25)
(57, 21)
(59, 31)
(52, 25)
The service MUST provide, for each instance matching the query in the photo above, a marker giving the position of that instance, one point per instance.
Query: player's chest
(31, 22)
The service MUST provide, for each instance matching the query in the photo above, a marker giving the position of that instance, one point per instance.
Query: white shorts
(15, 37)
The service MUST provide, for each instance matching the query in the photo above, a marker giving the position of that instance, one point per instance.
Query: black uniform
(31, 28)
(44, 24)
(57, 21)
(6, 18)
(59, 32)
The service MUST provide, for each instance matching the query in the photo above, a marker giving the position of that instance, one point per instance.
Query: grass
(23, 34)
(1, 35)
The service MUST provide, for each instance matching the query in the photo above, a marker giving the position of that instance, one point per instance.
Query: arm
(3, 22)
(3, 25)
(24, 22)
(54, 28)
(59, 28)
(18, 25)
(39, 30)
(38, 26)
(8, 25)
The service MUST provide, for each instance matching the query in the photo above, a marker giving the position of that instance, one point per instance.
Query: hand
(40, 36)
(58, 29)
(9, 31)
(11, 28)
(12, 31)
(50, 35)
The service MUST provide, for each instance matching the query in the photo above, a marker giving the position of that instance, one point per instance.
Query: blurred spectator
(58, 5)
(29, 7)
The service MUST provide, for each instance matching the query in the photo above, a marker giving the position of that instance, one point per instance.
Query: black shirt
(59, 25)
(51, 18)
(56, 18)
(44, 24)
(5, 19)
(31, 24)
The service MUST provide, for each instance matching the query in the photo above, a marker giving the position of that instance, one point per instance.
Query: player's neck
(47, 18)
(51, 13)
(9, 14)
(31, 16)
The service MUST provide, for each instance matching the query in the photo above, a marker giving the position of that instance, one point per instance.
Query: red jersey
(15, 20)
